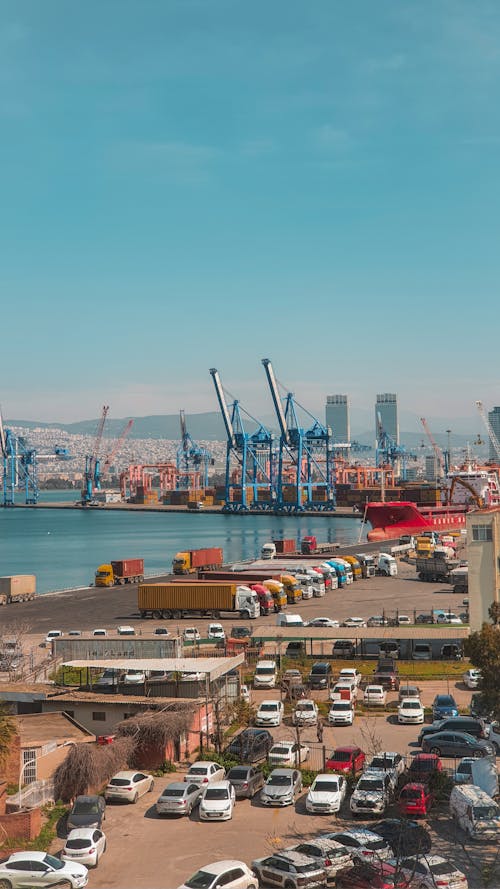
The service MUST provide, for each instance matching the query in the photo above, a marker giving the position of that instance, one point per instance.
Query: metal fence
(35, 794)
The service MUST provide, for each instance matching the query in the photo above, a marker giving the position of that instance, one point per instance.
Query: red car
(372, 876)
(415, 799)
(423, 766)
(346, 759)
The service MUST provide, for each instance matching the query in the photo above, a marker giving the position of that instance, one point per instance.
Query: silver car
(281, 788)
(178, 798)
(289, 869)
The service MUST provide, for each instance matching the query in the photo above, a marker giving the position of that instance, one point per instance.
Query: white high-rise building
(337, 417)
(387, 407)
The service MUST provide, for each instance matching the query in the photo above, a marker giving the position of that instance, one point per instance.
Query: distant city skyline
(190, 185)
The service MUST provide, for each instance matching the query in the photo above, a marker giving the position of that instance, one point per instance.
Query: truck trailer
(179, 599)
(116, 573)
(17, 588)
(436, 568)
(191, 560)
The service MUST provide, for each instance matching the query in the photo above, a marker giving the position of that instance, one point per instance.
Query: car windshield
(411, 705)
(264, 708)
(341, 705)
(481, 812)
(200, 880)
(326, 787)
(306, 705)
(79, 843)
(280, 751)
(217, 793)
(441, 868)
(367, 784)
(444, 701)
(197, 770)
(85, 807)
(56, 863)
(119, 782)
(340, 756)
(279, 780)
(465, 768)
(238, 774)
(423, 765)
(376, 845)
(382, 762)
(264, 671)
(172, 792)
(410, 793)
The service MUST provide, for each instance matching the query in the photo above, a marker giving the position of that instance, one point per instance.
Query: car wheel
(151, 786)
(289, 884)
(497, 748)
(104, 847)
(436, 750)
(135, 797)
(477, 754)
(4, 884)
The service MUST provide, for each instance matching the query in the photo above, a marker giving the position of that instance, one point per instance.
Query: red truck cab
(266, 600)
(308, 544)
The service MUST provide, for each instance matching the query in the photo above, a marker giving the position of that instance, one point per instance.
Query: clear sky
(196, 183)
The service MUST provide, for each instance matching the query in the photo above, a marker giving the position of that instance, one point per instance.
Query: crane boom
(489, 428)
(434, 445)
(278, 407)
(184, 433)
(3, 444)
(100, 430)
(223, 406)
(117, 445)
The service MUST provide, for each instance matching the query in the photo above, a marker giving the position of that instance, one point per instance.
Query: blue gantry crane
(387, 451)
(19, 467)
(92, 480)
(250, 458)
(191, 458)
(305, 454)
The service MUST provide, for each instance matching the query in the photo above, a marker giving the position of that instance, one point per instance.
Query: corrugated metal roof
(213, 667)
(422, 632)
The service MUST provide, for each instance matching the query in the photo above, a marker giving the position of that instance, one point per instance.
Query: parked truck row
(179, 599)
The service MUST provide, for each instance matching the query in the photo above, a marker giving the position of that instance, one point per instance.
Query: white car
(134, 677)
(448, 618)
(85, 845)
(323, 622)
(100, 632)
(354, 622)
(410, 711)
(341, 713)
(374, 694)
(204, 772)
(343, 691)
(53, 634)
(287, 753)
(350, 673)
(217, 801)
(125, 630)
(392, 764)
(27, 869)
(245, 694)
(472, 678)
(269, 713)
(372, 794)
(305, 713)
(129, 786)
(430, 871)
(191, 634)
(216, 631)
(326, 794)
(404, 620)
(230, 874)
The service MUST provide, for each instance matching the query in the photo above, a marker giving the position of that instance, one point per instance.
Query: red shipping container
(287, 545)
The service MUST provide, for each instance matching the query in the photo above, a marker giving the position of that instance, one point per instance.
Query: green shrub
(166, 768)
(223, 759)
(308, 776)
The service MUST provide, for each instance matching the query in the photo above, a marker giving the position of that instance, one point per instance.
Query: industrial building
(386, 414)
(483, 553)
(337, 418)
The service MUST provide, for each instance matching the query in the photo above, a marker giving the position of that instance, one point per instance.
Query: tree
(7, 732)
(89, 766)
(483, 650)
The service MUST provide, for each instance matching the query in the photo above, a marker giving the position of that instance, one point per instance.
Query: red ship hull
(391, 520)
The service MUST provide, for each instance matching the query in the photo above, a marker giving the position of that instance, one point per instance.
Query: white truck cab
(387, 565)
(268, 551)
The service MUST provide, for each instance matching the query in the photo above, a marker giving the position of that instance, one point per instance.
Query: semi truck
(265, 598)
(179, 599)
(17, 588)
(123, 571)
(192, 560)
(436, 568)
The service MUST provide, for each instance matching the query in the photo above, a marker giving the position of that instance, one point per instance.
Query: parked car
(217, 801)
(391, 763)
(341, 713)
(466, 724)
(100, 632)
(25, 870)
(343, 648)
(363, 844)
(178, 798)
(472, 678)
(389, 649)
(350, 674)
(305, 713)
(387, 678)
(347, 759)
(161, 631)
(376, 620)
(109, 679)
(85, 845)
(134, 677)
(204, 772)
(230, 874)
(443, 706)
(410, 711)
(290, 870)
(343, 691)
(245, 693)
(269, 713)
(191, 634)
(463, 771)
(125, 630)
(408, 691)
(324, 622)
(448, 617)
(320, 674)
(251, 745)
(246, 780)
(374, 695)
(415, 799)
(433, 870)
(423, 767)
(372, 875)
(281, 788)
(87, 811)
(52, 635)
(287, 753)
(354, 622)
(404, 620)
(327, 853)
(216, 631)
(326, 794)
(404, 836)
(372, 794)
(456, 744)
(128, 786)
(240, 633)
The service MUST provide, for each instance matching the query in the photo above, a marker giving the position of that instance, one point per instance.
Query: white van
(265, 674)
(289, 620)
(475, 812)
(268, 551)
(386, 564)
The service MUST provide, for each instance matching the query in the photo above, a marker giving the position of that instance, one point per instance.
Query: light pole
(29, 762)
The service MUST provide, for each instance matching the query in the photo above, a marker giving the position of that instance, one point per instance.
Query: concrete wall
(85, 711)
(484, 575)
(24, 825)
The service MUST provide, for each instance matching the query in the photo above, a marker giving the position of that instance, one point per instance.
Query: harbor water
(63, 547)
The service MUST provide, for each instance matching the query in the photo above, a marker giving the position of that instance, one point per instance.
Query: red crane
(117, 445)
(435, 447)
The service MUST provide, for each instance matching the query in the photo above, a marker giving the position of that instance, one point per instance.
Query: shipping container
(181, 598)
(190, 560)
(17, 588)
(285, 545)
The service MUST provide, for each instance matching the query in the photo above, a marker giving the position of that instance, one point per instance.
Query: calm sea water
(64, 547)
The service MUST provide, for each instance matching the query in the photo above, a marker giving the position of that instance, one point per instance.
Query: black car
(405, 837)
(467, 724)
(456, 744)
(87, 811)
(320, 675)
(297, 649)
(343, 648)
(250, 745)
(240, 633)
(246, 780)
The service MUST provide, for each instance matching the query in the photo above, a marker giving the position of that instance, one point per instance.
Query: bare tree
(89, 766)
(13, 648)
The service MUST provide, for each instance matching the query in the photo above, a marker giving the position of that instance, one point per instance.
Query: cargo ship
(470, 487)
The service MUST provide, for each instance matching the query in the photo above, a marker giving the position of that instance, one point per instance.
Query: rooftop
(212, 667)
(40, 728)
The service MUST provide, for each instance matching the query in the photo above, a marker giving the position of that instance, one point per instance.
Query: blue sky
(194, 184)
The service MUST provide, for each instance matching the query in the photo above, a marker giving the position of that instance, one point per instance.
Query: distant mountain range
(209, 427)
